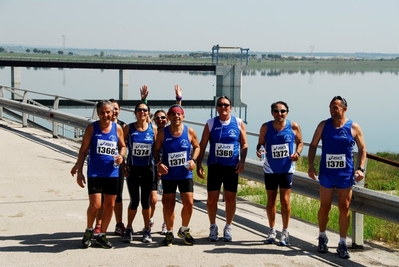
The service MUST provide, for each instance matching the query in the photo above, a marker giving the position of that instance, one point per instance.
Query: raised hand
(144, 91)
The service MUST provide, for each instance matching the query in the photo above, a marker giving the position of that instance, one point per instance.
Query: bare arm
(161, 168)
(121, 145)
(312, 150)
(298, 141)
(361, 147)
(83, 151)
(179, 94)
(196, 147)
(203, 144)
(243, 148)
(261, 139)
(125, 167)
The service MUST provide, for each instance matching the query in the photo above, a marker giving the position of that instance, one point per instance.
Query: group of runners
(169, 150)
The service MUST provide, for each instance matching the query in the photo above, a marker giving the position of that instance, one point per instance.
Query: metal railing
(365, 201)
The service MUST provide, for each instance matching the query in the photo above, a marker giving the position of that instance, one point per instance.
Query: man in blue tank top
(339, 136)
(104, 144)
(176, 167)
(279, 136)
(227, 137)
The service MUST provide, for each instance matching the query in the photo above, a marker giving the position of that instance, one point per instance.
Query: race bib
(177, 159)
(335, 161)
(224, 150)
(141, 149)
(280, 151)
(106, 147)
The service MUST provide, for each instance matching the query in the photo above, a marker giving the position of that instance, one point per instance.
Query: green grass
(379, 176)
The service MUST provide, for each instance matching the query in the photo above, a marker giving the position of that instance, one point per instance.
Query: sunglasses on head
(341, 99)
(141, 109)
(282, 111)
(160, 117)
(225, 105)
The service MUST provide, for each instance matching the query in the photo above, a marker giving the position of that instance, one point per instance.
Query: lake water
(372, 96)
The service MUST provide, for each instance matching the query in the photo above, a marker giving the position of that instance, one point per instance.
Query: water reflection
(307, 92)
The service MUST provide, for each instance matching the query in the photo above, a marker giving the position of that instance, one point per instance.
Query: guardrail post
(1, 96)
(55, 124)
(358, 219)
(24, 115)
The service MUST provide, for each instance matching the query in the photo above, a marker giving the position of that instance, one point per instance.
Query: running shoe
(168, 241)
(227, 237)
(120, 229)
(86, 241)
(164, 229)
(213, 233)
(343, 251)
(322, 247)
(128, 236)
(103, 242)
(96, 231)
(146, 236)
(188, 239)
(285, 238)
(271, 237)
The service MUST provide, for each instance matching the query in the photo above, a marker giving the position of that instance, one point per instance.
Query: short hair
(273, 106)
(103, 103)
(223, 97)
(343, 101)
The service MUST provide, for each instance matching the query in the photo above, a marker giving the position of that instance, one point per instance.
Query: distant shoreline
(281, 64)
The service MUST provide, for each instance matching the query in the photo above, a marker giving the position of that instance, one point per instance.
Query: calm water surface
(372, 96)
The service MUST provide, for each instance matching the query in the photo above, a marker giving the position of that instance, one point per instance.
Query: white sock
(342, 240)
(322, 234)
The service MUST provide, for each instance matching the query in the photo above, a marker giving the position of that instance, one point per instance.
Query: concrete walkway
(43, 217)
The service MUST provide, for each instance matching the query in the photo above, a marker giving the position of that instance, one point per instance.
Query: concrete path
(43, 217)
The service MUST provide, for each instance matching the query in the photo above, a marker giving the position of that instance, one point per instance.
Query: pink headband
(176, 109)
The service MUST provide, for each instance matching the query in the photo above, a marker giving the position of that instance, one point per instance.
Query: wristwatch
(361, 169)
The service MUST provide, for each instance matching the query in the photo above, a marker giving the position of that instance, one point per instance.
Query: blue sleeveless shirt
(224, 142)
(103, 148)
(279, 147)
(140, 146)
(337, 150)
(175, 152)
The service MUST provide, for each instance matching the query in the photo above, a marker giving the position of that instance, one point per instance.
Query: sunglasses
(160, 118)
(225, 105)
(141, 109)
(282, 111)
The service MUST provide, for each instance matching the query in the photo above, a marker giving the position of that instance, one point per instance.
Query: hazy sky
(185, 25)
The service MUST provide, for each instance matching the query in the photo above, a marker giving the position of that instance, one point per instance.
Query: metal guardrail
(100, 60)
(365, 201)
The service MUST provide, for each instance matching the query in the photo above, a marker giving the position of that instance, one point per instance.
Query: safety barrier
(365, 201)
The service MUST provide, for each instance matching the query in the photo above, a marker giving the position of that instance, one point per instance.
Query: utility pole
(63, 43)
